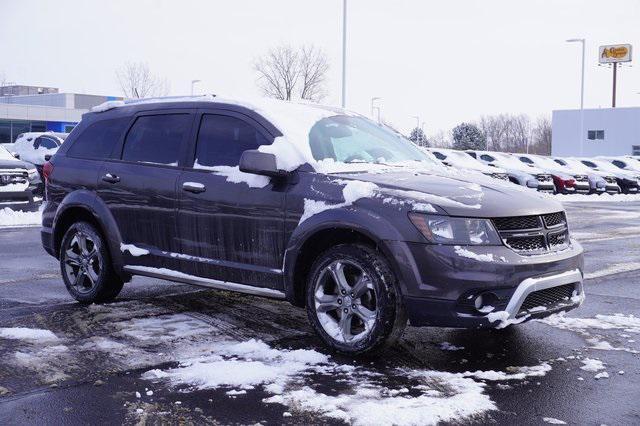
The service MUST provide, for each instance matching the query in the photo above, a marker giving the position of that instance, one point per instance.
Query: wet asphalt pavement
(83, 380)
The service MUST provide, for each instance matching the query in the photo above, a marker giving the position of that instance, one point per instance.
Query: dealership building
(605, 131)
(41, 109)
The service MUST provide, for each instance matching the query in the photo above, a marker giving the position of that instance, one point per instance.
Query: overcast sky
(446, 61)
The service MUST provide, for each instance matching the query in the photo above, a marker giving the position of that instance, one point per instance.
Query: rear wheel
(353, 301)
(86, 265)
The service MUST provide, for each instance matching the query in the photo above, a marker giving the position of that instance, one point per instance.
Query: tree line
(502, 132)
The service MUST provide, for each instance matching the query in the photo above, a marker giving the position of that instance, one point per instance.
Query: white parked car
(33, 147)
(463, 161)
(19, 183)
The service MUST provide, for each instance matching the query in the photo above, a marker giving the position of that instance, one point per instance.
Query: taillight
(47, 170)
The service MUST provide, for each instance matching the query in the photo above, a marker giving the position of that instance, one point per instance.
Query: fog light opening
(485, 302)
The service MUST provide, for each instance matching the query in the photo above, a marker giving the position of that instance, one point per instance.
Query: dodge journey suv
(315, 205)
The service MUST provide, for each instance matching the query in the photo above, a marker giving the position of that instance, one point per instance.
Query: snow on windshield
(509, 160)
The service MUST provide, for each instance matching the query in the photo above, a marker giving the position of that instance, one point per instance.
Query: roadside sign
(615, 53)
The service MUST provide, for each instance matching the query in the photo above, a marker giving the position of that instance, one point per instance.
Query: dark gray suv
(311, 204)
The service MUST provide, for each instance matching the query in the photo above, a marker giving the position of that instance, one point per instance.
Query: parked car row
(556, 175)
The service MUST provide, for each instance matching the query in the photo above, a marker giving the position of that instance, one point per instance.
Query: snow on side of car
(17, 218)
(463, 252)
(234, 175)
(133, 250)
(352, 191)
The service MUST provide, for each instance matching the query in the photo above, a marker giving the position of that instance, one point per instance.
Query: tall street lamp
(373, 100)
(581, 139)
(344, 53)
(193, 83)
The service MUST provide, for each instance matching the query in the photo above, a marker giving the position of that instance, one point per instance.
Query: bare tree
(137, 81)
(541, 137)
(313, 71)
(286, 73)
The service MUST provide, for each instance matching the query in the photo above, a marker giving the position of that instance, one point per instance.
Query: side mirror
(491, 164)
(260, 163)
(446, 163)
(47, 157)
(16, 155)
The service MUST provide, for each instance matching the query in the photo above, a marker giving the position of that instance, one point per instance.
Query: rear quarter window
(96, 142)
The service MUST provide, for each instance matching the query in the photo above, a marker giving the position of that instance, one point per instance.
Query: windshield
(460, 157)
(576, 165)
(606, 166)
(351, 139)
(547, 163)
(509, 160)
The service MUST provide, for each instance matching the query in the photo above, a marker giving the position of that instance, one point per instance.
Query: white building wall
(40, 113)
(621, 131)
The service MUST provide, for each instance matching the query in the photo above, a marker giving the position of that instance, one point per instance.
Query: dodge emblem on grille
(5, 179)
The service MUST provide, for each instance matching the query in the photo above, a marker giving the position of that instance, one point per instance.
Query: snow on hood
(476, 196)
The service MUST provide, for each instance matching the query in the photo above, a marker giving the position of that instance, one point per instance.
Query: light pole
(581, 139)
(193, 83)
(376, 98)
(417, 117)
(344, 53)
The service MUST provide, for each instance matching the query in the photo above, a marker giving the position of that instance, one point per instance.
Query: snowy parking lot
(169, 353)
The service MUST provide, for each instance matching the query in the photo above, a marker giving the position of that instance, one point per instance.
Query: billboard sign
(615, 53)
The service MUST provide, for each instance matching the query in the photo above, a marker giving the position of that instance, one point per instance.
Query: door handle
(193, 187)
(110, 178)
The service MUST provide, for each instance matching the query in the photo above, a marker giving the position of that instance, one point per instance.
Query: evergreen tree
(418, 137)
(468, 136)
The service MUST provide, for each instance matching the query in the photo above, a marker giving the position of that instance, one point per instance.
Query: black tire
(94, 280)
(381, 293)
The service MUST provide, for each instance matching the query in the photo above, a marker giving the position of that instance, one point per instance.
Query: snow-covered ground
(13, 218)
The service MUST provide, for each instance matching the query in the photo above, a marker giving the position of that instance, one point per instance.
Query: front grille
(547, 297)
(530, 235)
(543, 177)
(554, 219)
(502, 176)
(11, 177)
(534, 243)
(610, 179)
(581, 178)
(517, 223)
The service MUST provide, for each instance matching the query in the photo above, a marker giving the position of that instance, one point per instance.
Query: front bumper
(19, 200)
(440, 286)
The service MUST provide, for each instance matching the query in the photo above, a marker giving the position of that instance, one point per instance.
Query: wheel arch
(312, 239)
(86, 206)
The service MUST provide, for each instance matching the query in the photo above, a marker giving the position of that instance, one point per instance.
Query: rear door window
(222, 139)
(156, 139)
(97, 140)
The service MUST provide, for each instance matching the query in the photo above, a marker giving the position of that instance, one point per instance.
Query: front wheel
(86, 265)
(353, 301)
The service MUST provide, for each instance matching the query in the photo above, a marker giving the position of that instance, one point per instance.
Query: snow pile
(592, 365)
(242, 366)
(133, 250)
(446, 346)
(512, 373)
(12, 218)
(28, 334)
(353, 190)
(628, 323)
(553, 421)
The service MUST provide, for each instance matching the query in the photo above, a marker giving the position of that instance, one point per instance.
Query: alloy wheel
(345, 301)
(82, 262)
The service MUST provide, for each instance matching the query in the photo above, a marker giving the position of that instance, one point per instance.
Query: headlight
(33, 173)
(532, 183)
(455, 230)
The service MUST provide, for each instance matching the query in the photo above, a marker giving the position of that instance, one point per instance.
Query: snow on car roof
(294, 120)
